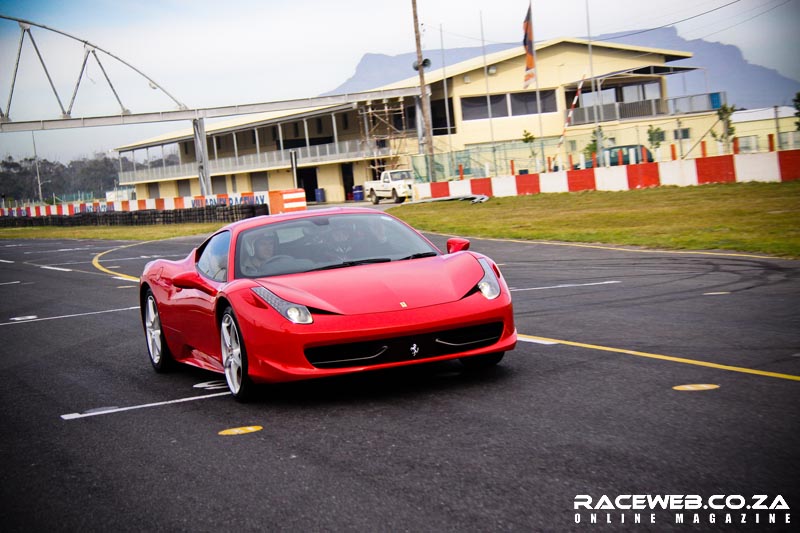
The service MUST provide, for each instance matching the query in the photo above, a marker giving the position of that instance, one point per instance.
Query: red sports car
(322, 293)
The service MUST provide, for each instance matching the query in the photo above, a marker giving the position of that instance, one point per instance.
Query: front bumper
(335, 344)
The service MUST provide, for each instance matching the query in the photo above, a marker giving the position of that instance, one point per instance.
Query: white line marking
(536, 341)
(73, 416)
(7, 262)
(56, 268)
(68, 316)
(566, 286)
(10, 283)
(23, 318)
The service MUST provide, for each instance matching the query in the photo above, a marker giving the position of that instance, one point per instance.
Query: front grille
(406, 348)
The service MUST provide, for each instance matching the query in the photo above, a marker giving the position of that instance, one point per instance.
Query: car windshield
(326, 242)
(397, 176)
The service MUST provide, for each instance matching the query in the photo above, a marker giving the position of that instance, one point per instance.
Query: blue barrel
(320, 195)
(358, 193)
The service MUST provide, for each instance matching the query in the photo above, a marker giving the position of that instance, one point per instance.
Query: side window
(213, 261)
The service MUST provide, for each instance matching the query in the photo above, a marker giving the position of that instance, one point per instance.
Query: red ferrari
(322, 293)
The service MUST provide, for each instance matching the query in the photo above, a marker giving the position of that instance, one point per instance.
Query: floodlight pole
(426, 102)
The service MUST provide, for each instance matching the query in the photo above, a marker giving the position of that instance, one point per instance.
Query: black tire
(481, 362)
(234, 357)
(157, 349)
(373, 197)
(395, 198)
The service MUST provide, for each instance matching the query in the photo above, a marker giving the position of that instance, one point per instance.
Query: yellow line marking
(696, 387)
(101, 268)
(240, 431)
(664, 358)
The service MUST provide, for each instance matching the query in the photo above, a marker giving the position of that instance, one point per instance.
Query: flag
(527, 43)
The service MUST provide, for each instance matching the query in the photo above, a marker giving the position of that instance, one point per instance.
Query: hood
(382, 287)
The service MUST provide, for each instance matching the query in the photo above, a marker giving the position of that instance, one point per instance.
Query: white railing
(352, 149)
(648, 108)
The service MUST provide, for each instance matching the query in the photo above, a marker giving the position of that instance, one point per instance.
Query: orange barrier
(287, 201)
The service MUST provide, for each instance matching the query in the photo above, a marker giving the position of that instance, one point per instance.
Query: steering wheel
(276, 257)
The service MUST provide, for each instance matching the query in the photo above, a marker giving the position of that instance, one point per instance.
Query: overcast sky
(225, 52)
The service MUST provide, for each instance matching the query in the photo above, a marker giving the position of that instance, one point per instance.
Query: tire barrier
(148, 217)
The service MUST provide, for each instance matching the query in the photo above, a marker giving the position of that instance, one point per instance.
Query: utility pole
(36, 161)
(426, 103)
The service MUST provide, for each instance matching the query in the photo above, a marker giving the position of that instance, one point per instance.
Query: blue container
(358, 193)
(320, 195)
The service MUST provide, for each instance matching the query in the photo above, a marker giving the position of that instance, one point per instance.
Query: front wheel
(234, 357)
(396, 198)
(481, 362)
(373, 197)
(157, 348)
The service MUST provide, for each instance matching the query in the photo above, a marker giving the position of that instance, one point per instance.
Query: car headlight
(489, 285)
(296, 313)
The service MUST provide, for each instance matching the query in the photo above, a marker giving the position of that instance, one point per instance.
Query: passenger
(263, 251)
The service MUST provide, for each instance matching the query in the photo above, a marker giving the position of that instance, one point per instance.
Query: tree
(591, 148)
(797, 110)
(655, 136)
(726, 136)
(528, 138)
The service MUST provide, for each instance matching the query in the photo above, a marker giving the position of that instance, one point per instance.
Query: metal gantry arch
(125, 116)
(90, 49)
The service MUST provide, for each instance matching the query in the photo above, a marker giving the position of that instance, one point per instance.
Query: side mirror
(457, 245)
(192, 280)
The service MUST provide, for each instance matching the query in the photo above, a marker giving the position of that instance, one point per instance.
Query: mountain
(723, 68)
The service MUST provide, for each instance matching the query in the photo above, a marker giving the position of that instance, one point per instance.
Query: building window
(475, 108)
(525, 103)
(218, 185)
(259, 181)
(748, 144)
(789, 140)
(153, 190)
(345, 122)
(681, 134)
(657, 136)
(184, 188)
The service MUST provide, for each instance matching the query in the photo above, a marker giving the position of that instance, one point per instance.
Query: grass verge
(115, 233)
(746, 217)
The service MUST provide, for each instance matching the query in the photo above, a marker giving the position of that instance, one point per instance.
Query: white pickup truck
(395, 184)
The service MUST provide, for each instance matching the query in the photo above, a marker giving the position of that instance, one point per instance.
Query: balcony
(306, 155)
(648, 108)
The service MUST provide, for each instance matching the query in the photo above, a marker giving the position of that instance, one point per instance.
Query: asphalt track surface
(94, 440)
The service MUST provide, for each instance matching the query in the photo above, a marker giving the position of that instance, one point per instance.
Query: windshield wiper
(419, 255)
(346, 264)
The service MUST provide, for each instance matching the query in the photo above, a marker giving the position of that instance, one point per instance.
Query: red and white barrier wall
(161, 204)
(762, 167)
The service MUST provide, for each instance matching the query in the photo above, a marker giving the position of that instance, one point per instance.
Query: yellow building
(478, 133)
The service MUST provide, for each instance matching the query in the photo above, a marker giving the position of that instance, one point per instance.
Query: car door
(195, 306)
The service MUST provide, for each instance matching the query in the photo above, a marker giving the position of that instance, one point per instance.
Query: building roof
(433, 76)
(767, 113)
(504, 55)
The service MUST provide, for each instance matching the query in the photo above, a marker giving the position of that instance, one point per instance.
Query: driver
(263, 250)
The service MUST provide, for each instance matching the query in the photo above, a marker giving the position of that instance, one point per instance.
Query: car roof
(248, 223)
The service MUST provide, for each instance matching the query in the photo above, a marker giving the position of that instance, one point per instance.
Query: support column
(335, 133)
(201, 151)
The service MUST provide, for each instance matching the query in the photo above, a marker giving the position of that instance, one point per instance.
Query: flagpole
(488, 98)
(597, 135)
(446, 98)
(536, 80)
